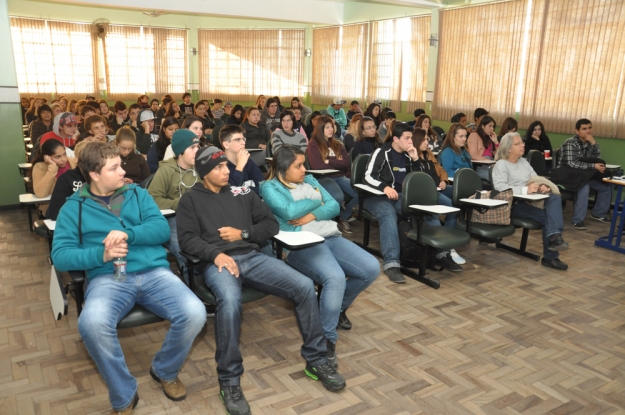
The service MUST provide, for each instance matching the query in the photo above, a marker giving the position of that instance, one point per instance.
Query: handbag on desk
(499, 215)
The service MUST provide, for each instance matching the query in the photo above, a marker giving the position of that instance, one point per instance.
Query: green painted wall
(10, 116)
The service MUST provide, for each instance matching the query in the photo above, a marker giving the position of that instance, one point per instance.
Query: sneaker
(351, 219)
(327, 375)
(448, 263)
(554, 263)
(395, 275)
(174, 390)
(344, 322)
(556, 243)
(344, 226)
(332, 359)
(234, 400)
(457, 258)
(127, 410)
(579, 226)
(604, 219)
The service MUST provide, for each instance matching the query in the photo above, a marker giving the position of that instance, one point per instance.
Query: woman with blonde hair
(260, 102)
(351, 136)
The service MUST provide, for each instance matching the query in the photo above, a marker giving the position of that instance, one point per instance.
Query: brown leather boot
(129, 408)
(174, 390)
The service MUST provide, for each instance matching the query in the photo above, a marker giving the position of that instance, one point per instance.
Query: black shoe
(332, 359)
(579, 226)
(327, 375)
(344, 322)
(448, 263)
(234, 400)
(344, 226)
(556, 243)
(554, 263)
(604, 219)
(394, 274)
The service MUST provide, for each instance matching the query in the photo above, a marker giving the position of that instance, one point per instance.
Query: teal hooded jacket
(278, 197)
(85, 221)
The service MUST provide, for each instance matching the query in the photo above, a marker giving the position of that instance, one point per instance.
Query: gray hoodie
(271, 122)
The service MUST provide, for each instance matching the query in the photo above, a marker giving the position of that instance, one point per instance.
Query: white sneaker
(351, 219)
(457, 258)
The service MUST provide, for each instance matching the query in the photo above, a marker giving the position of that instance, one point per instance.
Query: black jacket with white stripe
(379, 172)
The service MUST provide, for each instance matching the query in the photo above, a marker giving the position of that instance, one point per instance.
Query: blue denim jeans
(346, 187)
(331, 187)
(550, 217)
(172, 245)
(107, 302)
(385, 212)
(444, 198)
(270, 276)
(602, 201)
(343, 269)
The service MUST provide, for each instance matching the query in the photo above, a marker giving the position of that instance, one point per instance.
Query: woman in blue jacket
(454, 154)
(340, 266)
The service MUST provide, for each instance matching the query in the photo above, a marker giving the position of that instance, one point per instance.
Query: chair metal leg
(367, 230)
(30, 218)
(421, 278)
(522, 250)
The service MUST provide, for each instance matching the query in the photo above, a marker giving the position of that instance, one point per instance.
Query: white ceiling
(319, 12)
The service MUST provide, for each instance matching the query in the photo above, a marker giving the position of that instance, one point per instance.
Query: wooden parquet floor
(506, 336)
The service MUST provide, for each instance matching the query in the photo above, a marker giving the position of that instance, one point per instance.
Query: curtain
(53, 57)
(399, 59)
(339, 63)
(575, 66)
(239, 65)
(479, 59)
(144, 60)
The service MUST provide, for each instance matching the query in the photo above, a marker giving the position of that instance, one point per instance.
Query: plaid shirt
(573, 149)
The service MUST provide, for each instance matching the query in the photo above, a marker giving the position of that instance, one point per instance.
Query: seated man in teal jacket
(114, 232)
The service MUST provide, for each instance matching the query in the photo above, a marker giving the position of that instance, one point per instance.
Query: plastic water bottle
(120, 270)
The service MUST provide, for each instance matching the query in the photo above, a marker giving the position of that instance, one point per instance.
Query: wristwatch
(245, 234)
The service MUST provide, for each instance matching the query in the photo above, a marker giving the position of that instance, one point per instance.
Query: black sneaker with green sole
(329, 378)
(234, 400)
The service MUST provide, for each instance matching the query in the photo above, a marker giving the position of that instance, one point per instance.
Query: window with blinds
(239, 65)
(53, 57)
(339, 63)
(399, 61)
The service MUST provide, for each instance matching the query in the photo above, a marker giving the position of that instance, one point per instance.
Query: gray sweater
(513, 176)
(280, 137)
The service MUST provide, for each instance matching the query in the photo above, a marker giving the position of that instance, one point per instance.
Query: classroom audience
(354, 108)
(304, 110)
(159, 148)
(335, 110)
(270, 116)
(509, 125)
(454, 154)
(367, 139)
(373, 111)
(64, 130)
(536, 138)
(236, 115)
(417, 113)
(43, 124)
(286, 134)
(389, 117)
(243, 171)
(257, 134)
(352, 132)
(482, 144)
(187, 107)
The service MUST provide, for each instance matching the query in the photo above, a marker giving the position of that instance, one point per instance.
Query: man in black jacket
(386, 171)
(226, 238)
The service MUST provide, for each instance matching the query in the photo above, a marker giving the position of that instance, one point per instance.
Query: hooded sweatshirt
(56, 134)
(85, 221)
(237, 207)
(170, 183)
(271, 122)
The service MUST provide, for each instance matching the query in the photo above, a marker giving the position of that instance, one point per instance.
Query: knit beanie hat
(181, 140)
(207, 158)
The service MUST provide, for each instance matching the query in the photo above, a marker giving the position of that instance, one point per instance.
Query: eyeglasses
(125, 148)
(238, 140)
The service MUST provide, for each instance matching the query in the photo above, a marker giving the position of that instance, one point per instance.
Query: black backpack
(410, 251)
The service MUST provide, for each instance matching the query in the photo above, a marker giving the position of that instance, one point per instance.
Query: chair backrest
(306, 163)
(555, 154)
(358, 169)
(536, 159)
(418, 189)
(438, 130)
(323, 111)
(351, 159)
(466, 183)
(146, 182)
(490, 173)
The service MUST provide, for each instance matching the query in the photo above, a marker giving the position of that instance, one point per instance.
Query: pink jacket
(476, 147)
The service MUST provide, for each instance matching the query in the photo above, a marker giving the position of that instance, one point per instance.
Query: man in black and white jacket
(386, 171)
